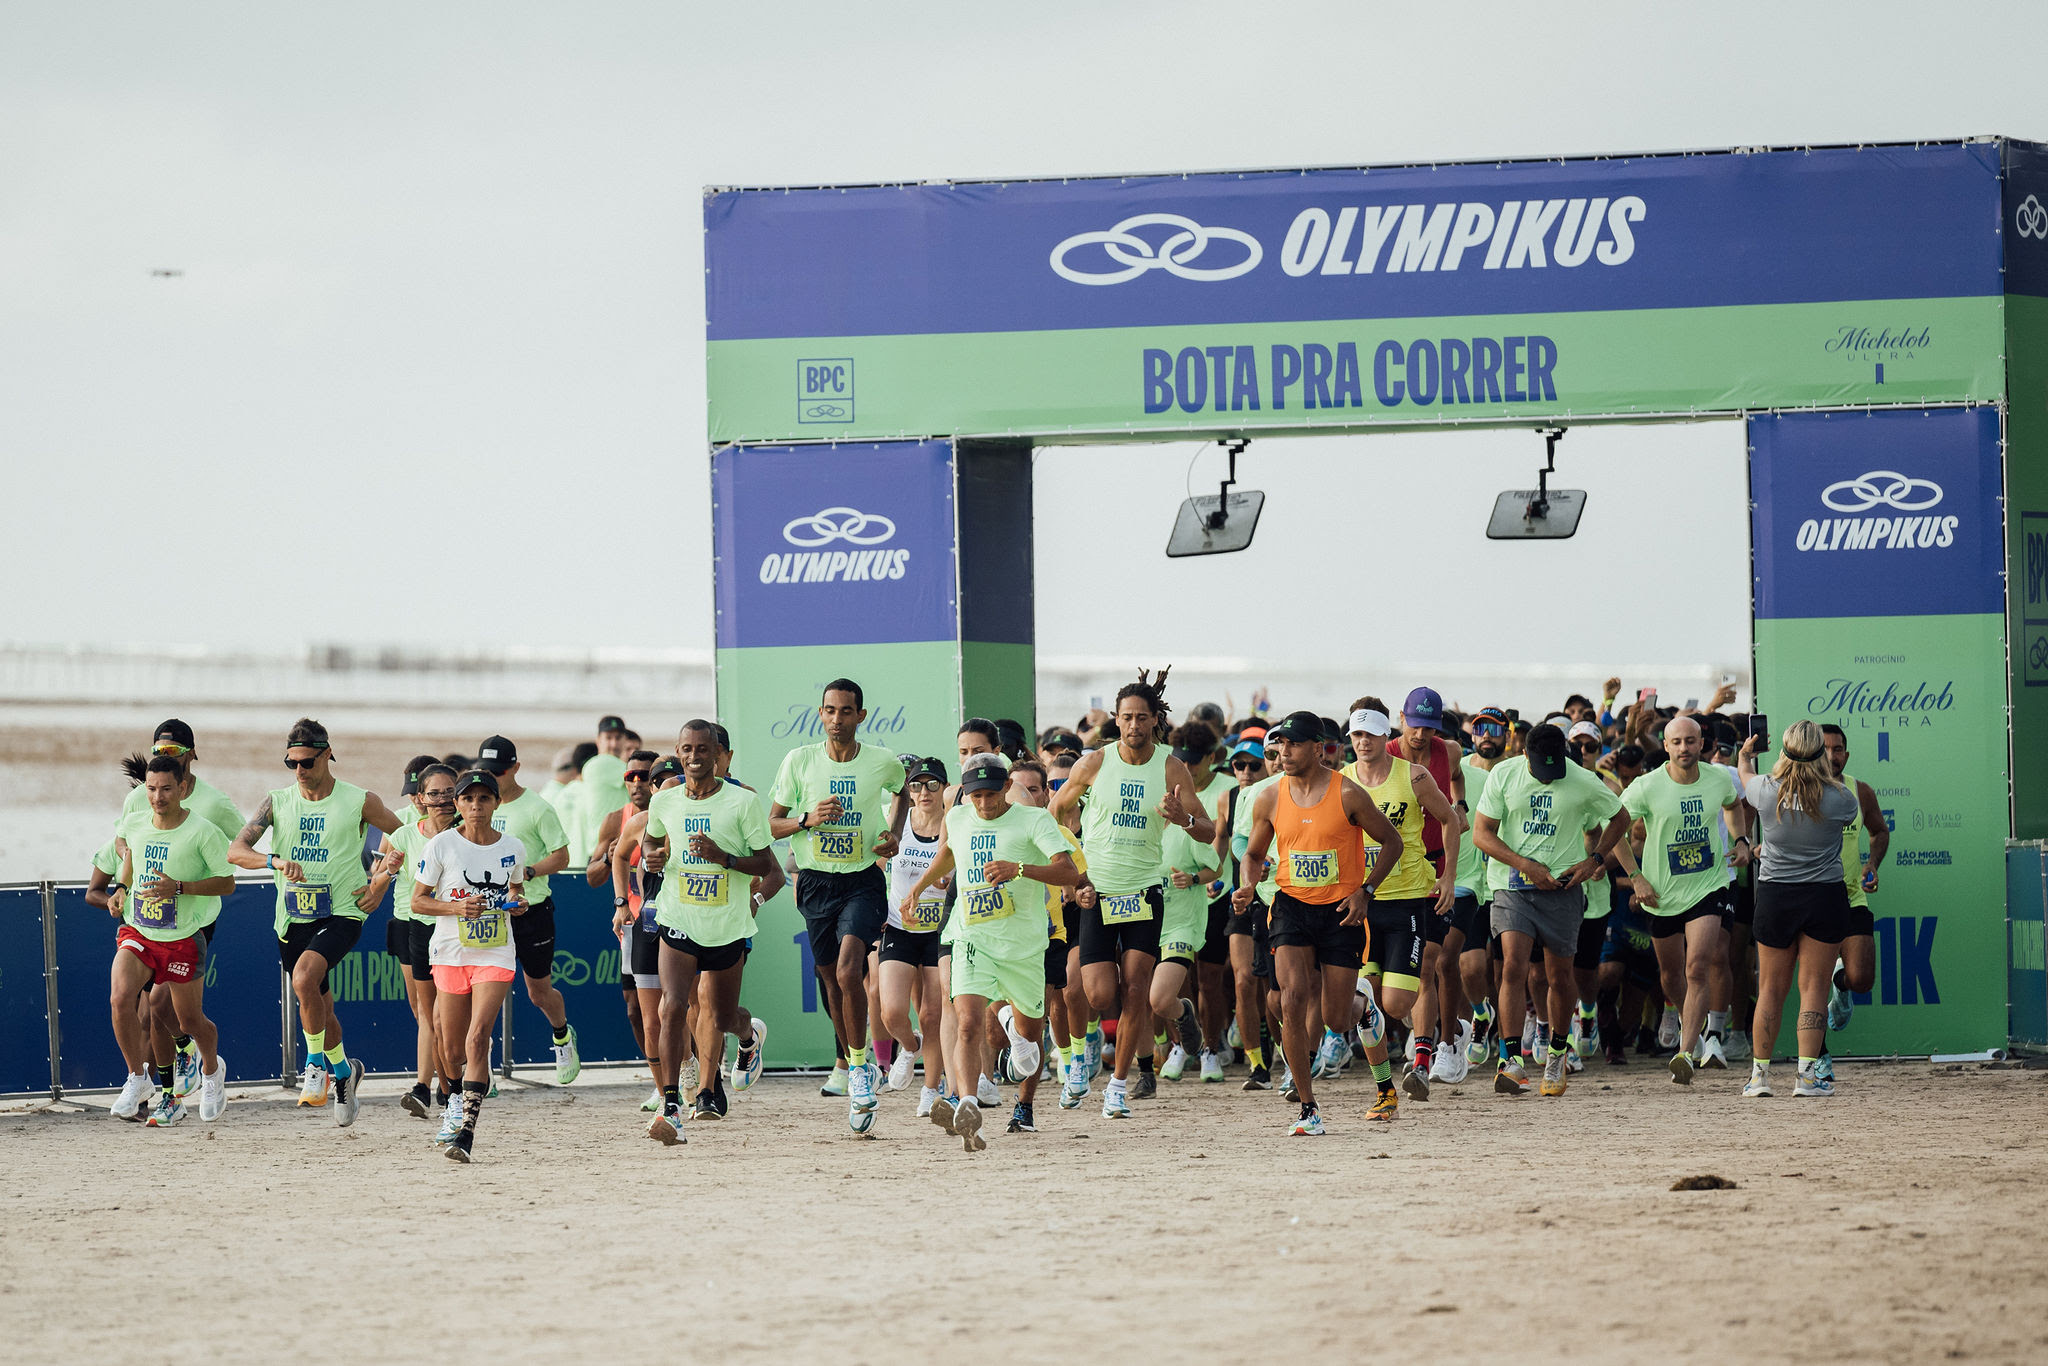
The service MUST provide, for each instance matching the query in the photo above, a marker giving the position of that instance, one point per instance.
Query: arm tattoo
(258, 823)
(1812, 1019)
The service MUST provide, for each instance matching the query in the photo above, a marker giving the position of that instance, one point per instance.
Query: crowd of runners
(1131, 901)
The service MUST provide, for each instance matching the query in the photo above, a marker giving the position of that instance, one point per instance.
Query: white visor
(1371, 722)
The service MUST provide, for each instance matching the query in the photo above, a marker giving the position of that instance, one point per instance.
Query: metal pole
(505, 1036)
(287, 1006)
(49, 893)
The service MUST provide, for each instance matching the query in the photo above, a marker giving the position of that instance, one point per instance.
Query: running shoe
(1617, 1056)
(458, 1147)
(1075, 1090)
(1260, 1079)
(860, 1083)
(1449, 1067)
(836, 1084)
(1310, 1125)
(568, 1062)
(1175, 1064)
(1739, 1049)
(667, 1128)
(704, 1107)
(1585, 1035)
(314, 1083)
(418, 1102)
(1712, 1054)
(691, 1080)
(1511, 1078)
(213, 1091)
(652, 1105)
(1020, 1119)
(1532, 1035)
(718, 1100)
(1572, 1062)
(985, 1092)
(133, 1101)
(1386, 1106)
(1416, 1084)
(1810, 1082)
(943, 1111)
(1841, 1005)
(1372, 1026)
(1113, 1105)
(451, 1119)
(1144, 1086)
(1190, 1027)
(967, 1125)
(1667, 1029)
(1212, 1066)
(1024, 1061)
(1288, 1090)
(746, 1065)
(1232, 1038)
(1091, 1049)
(1479, 1047)
(926, 1097)
(1553, 1076)
(348, 1092)
(170, 1108)
(185, 1071)
(901, 1068)
(1329, 1060)
(1759, 1080)
(1681, 1068)
(1462, 1042)
(1825, 1065)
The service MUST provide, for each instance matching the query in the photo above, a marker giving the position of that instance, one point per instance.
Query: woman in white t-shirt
(909, 971)
(473, 877)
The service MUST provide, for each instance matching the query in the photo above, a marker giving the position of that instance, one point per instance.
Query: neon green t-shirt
(1684, 855)
(1121, 826)
(1187, 908)
(410, 840)
(325, 838)
(539, 831)
(108, 859)
(863, 785)
(1010, 919)
(698, 898)
(1472, 863)
(1543, 821)
(195, 850)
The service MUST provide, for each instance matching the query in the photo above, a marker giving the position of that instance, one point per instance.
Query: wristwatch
(618, 901)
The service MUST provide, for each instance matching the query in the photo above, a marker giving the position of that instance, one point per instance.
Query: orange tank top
(1318, 859)
(633, 894)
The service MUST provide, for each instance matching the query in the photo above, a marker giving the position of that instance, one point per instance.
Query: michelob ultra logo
(1902, 524)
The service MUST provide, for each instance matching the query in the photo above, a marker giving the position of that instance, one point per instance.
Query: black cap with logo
(497, 754)
(173, 732)
(476, 777)
(1303, 727)
(1546, 750)
(607, 725)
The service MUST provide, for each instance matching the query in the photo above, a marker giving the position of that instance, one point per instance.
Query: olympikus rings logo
(1390, 238)
(836, 525)
(2030, 219)
(1879, 489)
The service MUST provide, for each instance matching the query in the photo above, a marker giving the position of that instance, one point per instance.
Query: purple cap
(1424, 708)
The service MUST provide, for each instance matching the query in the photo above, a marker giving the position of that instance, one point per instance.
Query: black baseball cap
(496, 754)
(173, 732)
(607, 724)
(985, 773)
(1546, 750)
(1062, 742)
(476, 777)
(663, 770)
(925, 768)
(1304, 727)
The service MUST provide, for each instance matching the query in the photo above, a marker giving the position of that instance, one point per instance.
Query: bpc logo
(824, 390)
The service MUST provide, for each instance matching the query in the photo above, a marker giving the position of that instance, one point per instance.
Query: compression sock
(183, 1041)
(1383, 1072)
(337, 1061)
(1255, 1056)
(562, 1034)
(857, 1057)
(1145, 1064)
(1425, 1051)
(472, 1101)
(163, 1079)
(1510, 1049)
(316, 1047)
(1159, 1044)
(671, 1095)
(1807, 1064)
(1717, 1023)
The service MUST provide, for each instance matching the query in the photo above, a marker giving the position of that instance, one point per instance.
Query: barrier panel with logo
(1880, 609)
(24, 1010)
(2025, 219)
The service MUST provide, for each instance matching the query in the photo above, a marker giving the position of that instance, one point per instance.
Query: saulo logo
(1888, 489)
(831, 525)
(1174, 255)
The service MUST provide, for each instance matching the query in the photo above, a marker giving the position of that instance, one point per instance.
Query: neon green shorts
(1183, 930)
(1020, 981)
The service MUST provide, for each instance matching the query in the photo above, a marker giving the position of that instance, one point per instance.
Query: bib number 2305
(1312, 867)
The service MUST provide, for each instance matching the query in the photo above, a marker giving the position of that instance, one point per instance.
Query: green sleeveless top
(1121, 827)
(325, 838)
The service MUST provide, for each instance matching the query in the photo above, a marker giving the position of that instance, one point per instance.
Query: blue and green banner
(1880, 609)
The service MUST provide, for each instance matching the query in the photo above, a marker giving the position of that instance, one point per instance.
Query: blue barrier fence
(2026, 939)
(56, 1024)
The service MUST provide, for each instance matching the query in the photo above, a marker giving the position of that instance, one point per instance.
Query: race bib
(704, 887)
(1312, 867)
(1518, 883)
(305, 901)
(1695, 856)
(1122, 910)
(836, 846)
(491, 930)
(984, 904)
(154, 915)
(926, 915)
(1372, 857)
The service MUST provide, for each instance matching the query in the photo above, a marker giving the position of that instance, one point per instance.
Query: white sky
(444, 271)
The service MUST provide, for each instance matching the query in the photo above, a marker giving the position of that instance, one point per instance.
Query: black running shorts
(1297, 924)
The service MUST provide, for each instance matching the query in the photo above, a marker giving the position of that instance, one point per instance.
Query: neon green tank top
(1852, 850)
(325, 838)
(1412, 876)
(1121, 825)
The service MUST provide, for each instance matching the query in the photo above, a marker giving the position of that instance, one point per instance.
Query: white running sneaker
(967, 1125)
(986, 1094)
(1007, 1018)
(213, 1091)
(746, 1064)
(1232, 1038)
(1573, 1063)
(1212, 1066)
(692, 1081)
(651, 1105)
(1464, 1040)
(1738, 1046)
(1712, 1054)
(1810, 1082)
(1681, 1068)
(1114, 1105)
(1759, 1080)
(860, 1088)
(348, 1092)
(185, 1072)
(568, 1062)
(1529, 1032)
(314, 1083)
(169, 1110)
(1091, 1052)
(1175, 1064)
(1416, 1083)
(1075, 1089)
(1025, 1060)
(925, 1097)
(901, 1068)
(134, 1092)
(1667, 1031)
(1450, 1067)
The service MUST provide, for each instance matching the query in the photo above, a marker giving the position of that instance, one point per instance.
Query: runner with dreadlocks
(1139, 789)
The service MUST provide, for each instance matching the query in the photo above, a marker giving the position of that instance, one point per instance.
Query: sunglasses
(1586, 746)
(302, 763)
(174, 750)
(925, 785)
(1055, 783)
(1492, 728)
(1246, 765)
(636, 775)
